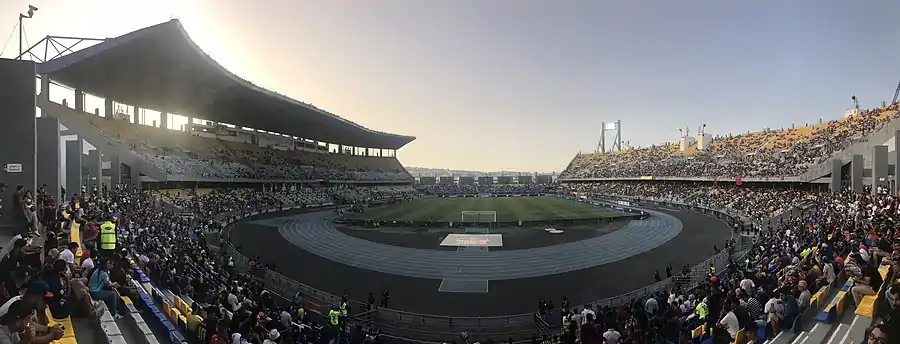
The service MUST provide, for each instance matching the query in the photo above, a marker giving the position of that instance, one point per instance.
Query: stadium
(266, 210)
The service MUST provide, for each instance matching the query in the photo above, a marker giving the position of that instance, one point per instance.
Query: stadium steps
(97, 138)
(841, 330)
(865, 148)
(87, 331)
(806, 322)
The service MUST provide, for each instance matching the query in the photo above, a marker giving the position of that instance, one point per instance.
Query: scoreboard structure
(526, 180)
(427, 180)
(485, 180)
(446, 180)
(544, 179)
(466, 180)
(505, 180)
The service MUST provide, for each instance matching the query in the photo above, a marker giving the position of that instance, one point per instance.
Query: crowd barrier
(437, 328)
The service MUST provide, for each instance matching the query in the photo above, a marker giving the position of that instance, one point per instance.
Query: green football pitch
(509, 209)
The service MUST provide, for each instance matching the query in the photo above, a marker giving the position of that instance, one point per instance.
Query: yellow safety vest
(702, 310)
(333, 316)
(344, 308)
(107, 236)
(565, 323)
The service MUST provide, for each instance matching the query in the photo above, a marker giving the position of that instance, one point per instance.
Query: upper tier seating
(191, 156)
(764, 154)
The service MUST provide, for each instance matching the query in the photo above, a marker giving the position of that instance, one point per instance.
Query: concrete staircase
(99, 139)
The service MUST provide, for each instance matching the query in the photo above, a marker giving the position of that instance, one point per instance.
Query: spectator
(101, 288)
(19, 326)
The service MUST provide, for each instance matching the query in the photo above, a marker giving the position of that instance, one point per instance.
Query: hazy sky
(524, 85)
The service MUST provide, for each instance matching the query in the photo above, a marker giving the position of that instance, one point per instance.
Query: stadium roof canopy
(161, 68)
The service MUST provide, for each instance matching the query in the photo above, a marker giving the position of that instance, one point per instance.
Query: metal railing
(438, 328)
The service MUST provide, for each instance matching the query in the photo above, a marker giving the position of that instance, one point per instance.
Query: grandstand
(804, 154)
(818, 275)
(218, 143)
(300, 155)
(812, 181)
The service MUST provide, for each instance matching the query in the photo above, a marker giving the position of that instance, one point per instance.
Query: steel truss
(62, 46)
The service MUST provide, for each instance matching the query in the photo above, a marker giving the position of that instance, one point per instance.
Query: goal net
(479, 217)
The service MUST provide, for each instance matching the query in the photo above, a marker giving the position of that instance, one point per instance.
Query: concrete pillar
(164, 120)
(187, 126)
(79, 100)
(94, 166)
(45, 87)
(74, 150)
(880, 168)
(108, 106)
(135, 176)
(18, 153)
(896, 162)
(48, 169)
(835, 184)
(115, 171)
(136, 115)
(856, 173)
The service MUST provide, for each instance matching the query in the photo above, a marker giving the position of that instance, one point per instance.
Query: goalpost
(478, 218)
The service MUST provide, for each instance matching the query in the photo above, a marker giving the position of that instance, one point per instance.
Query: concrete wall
(17, 117)
(48, 155)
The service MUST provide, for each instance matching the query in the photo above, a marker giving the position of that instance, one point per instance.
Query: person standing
(108, 238)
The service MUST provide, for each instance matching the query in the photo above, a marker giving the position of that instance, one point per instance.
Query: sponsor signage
(473, 240)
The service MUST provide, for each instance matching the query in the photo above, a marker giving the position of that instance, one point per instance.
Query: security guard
(108, 238)
(334, 320)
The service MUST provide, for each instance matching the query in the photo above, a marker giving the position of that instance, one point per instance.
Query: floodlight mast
(28, 15)
(617, 140)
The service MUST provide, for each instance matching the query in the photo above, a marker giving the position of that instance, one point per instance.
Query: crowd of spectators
(197, 155)
(795, 255)
(456, 189)
(260, 163)
(172, 249)
(807, 240)
(762, 154)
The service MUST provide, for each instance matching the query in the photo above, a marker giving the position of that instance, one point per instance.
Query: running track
(693, 245)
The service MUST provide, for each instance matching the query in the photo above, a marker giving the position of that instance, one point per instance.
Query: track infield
(509, 209)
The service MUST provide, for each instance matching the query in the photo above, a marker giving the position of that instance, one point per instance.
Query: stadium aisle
(86, 331)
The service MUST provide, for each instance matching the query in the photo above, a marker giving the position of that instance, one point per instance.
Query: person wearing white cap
(272, 338)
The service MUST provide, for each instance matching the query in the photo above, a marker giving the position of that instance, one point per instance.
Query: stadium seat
(69, 330)
(836, 306)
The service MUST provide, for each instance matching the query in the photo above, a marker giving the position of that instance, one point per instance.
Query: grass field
(509, 209)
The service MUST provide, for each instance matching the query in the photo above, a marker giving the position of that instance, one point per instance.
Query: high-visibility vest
(107, 236)
(565, 323)
(344, 307)
(231, 262)
(333, 317)
(702, 310)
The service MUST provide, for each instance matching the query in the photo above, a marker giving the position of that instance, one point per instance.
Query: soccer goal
(478, 218)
